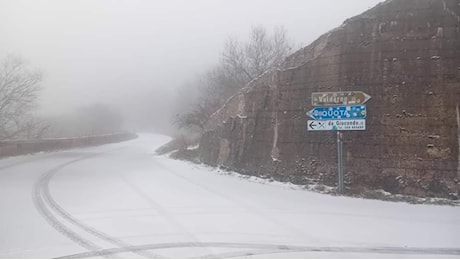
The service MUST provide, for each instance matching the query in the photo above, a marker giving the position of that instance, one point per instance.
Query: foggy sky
(134, 54)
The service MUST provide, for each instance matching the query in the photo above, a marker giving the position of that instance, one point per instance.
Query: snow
(123, 200)
(193, 147)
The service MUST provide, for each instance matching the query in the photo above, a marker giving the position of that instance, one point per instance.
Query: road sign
(339, 112)
(339, 98)
(336, 125)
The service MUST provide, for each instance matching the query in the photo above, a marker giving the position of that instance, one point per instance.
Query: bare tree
(240, 63)
(194, 119)
(35, 128)
(246, 61)
(19, 87)
(214, 87)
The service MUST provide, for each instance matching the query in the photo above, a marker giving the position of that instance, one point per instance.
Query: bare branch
(240, 63)
(19, 88)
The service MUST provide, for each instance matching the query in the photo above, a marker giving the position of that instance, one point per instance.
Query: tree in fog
(244, 61)
(240, 63)
(19, 89)
(212, 89)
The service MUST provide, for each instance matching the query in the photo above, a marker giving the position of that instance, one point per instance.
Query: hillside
(406, 55)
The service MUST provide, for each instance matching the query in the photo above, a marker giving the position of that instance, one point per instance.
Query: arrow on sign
(339, 98)
(313, 126)
(336, 125)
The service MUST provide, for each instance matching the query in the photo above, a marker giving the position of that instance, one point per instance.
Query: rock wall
(406, 55)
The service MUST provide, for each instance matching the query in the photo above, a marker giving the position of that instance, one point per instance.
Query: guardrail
(18, 147)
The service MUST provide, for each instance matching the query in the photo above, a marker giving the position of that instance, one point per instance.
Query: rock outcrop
(406, 55)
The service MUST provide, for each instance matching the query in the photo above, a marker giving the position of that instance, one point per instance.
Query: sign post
(338, 111)
(340, 161)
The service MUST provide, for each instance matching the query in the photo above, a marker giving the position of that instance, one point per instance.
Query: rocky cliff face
(406, 55)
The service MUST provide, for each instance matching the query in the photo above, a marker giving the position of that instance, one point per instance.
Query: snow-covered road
(122, 200)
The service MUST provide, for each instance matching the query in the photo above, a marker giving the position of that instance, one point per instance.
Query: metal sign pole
(339, 162)
(342, 170)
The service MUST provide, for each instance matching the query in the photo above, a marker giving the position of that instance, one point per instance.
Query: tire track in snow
(41, 206)
(262, 249)
(43, 200)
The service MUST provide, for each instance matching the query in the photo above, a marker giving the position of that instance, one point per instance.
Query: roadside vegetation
(240, 62)
(19, 90)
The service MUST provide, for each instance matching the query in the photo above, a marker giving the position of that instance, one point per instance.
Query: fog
(134, 55)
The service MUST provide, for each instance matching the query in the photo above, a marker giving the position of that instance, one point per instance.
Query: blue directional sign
(338, 112)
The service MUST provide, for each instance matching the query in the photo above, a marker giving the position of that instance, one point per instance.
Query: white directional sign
(337, 125)
(339, 98)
